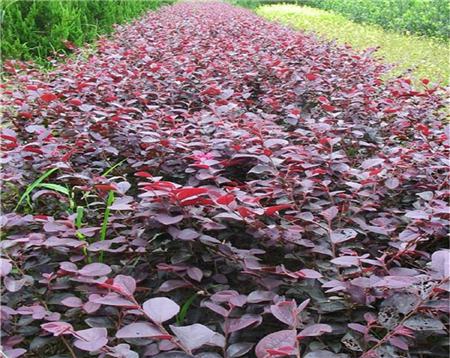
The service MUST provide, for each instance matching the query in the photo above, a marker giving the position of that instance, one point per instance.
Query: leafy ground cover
(212, 184)
(420, 56)
(33, 29)
(429, 18)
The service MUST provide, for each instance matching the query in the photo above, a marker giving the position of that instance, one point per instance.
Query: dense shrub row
(212, 184)
(34, 29)
(424, 17)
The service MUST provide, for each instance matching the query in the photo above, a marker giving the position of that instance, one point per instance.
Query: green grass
(426, 57)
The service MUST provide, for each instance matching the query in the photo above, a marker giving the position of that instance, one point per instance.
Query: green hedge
(255, 3)
(424, 17)
(35, 29)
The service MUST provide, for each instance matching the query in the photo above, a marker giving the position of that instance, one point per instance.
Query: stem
(413, 312)
(69, 348)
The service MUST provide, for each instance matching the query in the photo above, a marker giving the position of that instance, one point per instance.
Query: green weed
(32, 186)
(109, 202)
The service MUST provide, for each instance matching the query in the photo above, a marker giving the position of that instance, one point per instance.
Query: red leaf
(328, 107)
(105, 187)
(184, 193)
(311, 76)
(211, 91)
(244, 212)
(143, 174)
(48, 97)
(75, 102)
(226, 199)
(390, 110)
(274, 209)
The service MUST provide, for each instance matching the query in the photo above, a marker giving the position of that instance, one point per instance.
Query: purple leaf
(392, 183)
(440, 262)
(170, 285)
(303, 305)
(369, 163)
(307, 273)
(141, 330)
(160, 309)
(14, 285)
(126, 283)
(111, 299)
(315, 330)
(346, 261)
(14, 353)
(95, 269)
(285, 340)
(91, 339)
(72, 302)
(5, 267)
(195, 273)
(193, 336)
(188, 235)
(330, 213)
(238, 349)
(57, 328)
(417, 214)
(260, 296)
(286, 312)
(167, 219)
(342, 235)
(216, 308)
(275, 142)
(236, 324)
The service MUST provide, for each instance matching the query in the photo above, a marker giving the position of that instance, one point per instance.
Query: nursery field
(209, 184)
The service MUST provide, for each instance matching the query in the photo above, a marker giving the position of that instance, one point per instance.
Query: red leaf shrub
(247, 168)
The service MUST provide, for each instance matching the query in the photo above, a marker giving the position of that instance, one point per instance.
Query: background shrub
(423, 17)
(36, 29)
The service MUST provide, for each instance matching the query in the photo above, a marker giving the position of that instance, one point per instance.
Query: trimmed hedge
(33, 29)
(424, 17)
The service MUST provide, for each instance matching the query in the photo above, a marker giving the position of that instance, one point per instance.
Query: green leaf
(55, 187)
(33, 185)
(185, 308)
(113, 167)
(109, 202)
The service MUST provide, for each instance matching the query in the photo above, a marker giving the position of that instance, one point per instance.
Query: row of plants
(409, 55)
(423, 17)
(209, 184)
(34, 29)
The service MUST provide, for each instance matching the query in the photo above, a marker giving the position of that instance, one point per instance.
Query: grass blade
(113, 167)
(33, 185)
(109, 202)
(185, 308)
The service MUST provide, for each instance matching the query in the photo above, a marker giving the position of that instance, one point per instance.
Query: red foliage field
(210, 184)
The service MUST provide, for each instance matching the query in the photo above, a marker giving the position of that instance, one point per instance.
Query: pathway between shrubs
(236, 189)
